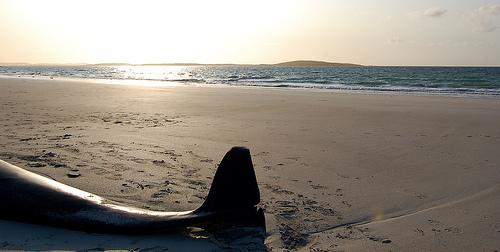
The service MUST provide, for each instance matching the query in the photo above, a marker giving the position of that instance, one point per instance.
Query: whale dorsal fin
(234, 185)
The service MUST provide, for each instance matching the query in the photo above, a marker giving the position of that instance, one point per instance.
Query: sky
(367, 32)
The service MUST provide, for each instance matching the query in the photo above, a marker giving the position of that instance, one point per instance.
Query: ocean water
(459, 81)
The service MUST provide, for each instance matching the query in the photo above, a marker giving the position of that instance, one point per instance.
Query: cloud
(396, 40)
(414, 43)
(387, 19)
(482, 18)
(473, 44)
(434, 12)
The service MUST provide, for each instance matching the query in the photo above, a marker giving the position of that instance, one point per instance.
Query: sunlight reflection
(377, 213)
(142, 83)
(149, 75)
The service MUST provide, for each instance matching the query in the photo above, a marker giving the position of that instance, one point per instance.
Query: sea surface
(454, 81)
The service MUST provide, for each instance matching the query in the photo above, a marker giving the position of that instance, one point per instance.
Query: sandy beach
(337, 171)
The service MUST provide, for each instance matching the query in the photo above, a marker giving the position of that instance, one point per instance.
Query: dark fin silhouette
(234, 187)
(234, 195)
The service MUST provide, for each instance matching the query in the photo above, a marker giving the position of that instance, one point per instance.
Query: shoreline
(164, 83)
(410, 165)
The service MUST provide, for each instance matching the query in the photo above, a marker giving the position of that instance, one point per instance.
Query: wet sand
(336, 171)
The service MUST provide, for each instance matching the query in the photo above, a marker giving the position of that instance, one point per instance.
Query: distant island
(312, 63)
(288, 63)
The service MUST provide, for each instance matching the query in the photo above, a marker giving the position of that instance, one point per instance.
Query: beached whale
(232, 199)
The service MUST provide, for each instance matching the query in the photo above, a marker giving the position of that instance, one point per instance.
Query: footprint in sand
(73, 175)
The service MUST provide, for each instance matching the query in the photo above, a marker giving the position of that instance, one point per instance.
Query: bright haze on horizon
(385, 32)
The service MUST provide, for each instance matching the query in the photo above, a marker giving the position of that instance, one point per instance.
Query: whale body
(231, 201)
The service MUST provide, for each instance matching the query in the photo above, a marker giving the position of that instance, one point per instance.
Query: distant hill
(13, 64)
(312, 63)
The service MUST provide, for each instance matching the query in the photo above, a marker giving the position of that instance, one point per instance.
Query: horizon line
(297, 62)
(285, 63)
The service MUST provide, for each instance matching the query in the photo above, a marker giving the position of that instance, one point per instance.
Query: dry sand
(353, 172)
